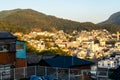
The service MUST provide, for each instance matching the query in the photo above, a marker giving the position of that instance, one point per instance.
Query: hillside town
(60, 40)
(99, 46)
(84, 44)
(90, 55)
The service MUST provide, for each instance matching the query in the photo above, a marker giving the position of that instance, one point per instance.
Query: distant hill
(113, 19)
(112, 24)
(30, 19)
(26, 20)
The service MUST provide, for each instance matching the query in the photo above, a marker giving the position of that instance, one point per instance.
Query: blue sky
(78, 10)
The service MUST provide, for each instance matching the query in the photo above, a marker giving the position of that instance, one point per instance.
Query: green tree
(31, 48)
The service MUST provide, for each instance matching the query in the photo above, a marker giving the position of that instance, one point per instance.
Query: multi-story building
(107, 64)
(12, 53)
(7, 48)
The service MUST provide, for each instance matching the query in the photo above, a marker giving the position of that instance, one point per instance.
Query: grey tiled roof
(33, 58)
(6, 34)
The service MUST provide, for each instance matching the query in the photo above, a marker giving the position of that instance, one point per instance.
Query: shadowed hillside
(113, 19)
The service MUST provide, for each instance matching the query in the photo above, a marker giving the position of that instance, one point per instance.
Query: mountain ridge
(30, 18)
(113, 19)
(27, 20)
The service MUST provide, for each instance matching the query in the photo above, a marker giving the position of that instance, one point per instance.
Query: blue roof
(67, 62)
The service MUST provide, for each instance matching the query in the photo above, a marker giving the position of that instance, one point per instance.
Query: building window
(112, 64)
(19, 46)
(102, 64)
(108, 64)
(4, 47)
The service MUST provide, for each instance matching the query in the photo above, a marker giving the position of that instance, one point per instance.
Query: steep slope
(113, 19)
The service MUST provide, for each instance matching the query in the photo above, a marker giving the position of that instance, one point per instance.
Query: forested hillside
(26, 20)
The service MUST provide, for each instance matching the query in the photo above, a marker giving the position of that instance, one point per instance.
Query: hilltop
(26, 20)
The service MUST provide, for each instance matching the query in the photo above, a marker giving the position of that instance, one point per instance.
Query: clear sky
(78, 10)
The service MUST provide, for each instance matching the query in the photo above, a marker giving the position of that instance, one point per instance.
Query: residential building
(12, 53)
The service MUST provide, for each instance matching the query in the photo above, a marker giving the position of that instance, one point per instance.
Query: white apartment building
(107, 64)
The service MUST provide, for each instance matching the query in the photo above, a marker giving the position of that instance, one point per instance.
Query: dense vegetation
(57, 51)
(26, 20)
